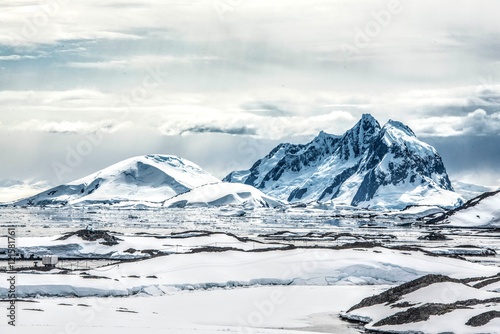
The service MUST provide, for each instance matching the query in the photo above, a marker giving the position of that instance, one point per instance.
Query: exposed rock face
(483, 318)
(392, 295)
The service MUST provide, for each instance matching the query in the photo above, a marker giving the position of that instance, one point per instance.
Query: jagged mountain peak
(368, 165)
(397, 125)
(369, 119)
(322, 135)
(357, 139)
(367, 125)
(324, 138)
(396, 133)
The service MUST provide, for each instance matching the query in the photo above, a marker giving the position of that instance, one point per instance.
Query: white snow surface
(235, 268)
(402, 195)
(256, 310)
(223, 193)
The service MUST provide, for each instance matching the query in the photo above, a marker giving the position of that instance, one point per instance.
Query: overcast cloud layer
(86, 84)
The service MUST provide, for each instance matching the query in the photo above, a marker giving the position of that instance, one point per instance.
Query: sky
(221, 82)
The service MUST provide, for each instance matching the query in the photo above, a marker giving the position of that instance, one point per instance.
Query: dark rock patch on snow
(94, 235)
(483, 318)
(392, 295)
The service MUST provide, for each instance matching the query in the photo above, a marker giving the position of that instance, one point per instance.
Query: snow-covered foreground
(233, 270)
(264, 310)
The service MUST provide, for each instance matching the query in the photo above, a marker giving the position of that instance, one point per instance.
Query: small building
(50, 260)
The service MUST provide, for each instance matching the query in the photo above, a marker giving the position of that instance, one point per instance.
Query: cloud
(53, 21)
(267, 127)
(466, 157)
(99, 64)
(476, 123)
(213, 129)
(272, 114)
(142, 61)
(35, 23)
(80, 104)
(65, 127)
(265, 108)
(16, 57)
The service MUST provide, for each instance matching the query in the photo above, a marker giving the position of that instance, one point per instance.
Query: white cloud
(141, 61)
(16, 57)
(476, 123)
(66, 127)
(263, 126)
(267, 113)
(56, 20)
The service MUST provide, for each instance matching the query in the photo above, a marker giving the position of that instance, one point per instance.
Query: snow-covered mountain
(145, 178)
(152, 180)
(368, 166)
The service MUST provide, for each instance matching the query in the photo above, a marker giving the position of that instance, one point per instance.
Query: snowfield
(223, 193)
(131, 246)
(207, 270)
(259, 310)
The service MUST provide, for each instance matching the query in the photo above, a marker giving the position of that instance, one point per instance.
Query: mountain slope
(368, 166)
(144, 178)
(482, 211)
